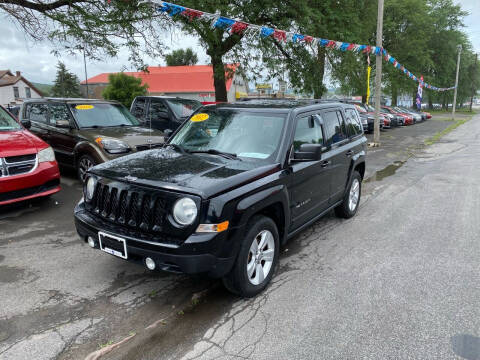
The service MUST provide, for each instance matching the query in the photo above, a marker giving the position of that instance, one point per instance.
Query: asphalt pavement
(400, 280)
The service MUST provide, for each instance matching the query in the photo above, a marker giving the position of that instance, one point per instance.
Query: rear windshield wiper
(217, 152)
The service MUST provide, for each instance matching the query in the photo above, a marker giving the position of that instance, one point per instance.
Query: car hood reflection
(201, 174)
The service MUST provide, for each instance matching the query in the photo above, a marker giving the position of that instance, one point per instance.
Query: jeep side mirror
(26, 123)
(308, 152)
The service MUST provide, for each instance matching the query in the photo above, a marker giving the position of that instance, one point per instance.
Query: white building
(15, 88)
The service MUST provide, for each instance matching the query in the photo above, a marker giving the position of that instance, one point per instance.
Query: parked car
(408, 119)
(85, 132)
(416, 116)
(14, 110)
(27, 164)
(231, 185)
(162, 112)
(368, 119)
(390, 119)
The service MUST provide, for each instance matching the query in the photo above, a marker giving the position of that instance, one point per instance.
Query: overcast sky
(37, 63)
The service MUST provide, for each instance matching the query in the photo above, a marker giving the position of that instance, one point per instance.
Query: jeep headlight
(113, 146)
(46, 155)
(185, 211)
(90, 188)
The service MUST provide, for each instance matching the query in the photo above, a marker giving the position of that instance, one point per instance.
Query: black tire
(82, 167)
(344, 210)
(237, 280)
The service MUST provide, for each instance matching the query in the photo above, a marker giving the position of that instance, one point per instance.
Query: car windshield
(7, 122)
(183, 107)
(102, 115)
(245, 134)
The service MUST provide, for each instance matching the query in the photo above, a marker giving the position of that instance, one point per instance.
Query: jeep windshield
(183, 107)
(234, 133)
(8, 123)
(102, 115)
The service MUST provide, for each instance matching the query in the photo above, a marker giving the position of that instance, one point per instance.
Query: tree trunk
(430, 102)
(319, 89)
(394, 96)
(218, 75)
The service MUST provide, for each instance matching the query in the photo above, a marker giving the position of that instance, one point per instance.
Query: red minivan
(28, 168)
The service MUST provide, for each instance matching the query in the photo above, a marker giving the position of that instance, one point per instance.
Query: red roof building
(192, 82)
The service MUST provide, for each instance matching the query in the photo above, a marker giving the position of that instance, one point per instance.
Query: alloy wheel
(83, 166)
(260, 257)
(354, 195)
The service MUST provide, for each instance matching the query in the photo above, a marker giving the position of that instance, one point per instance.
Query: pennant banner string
(243, 28)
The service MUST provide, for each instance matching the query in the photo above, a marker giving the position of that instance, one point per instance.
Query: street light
(459, 47)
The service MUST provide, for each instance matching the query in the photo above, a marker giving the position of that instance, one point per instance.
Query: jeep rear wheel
(84, 163)
(348, 208)
(257, 259)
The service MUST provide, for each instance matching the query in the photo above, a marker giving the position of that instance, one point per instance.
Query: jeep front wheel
(256, 260)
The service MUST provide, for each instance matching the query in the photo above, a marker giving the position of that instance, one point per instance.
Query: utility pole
(456, 82)
(378, 75)
(85, 65)
(474, 81)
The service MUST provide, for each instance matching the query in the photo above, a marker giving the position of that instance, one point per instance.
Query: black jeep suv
(232, 184)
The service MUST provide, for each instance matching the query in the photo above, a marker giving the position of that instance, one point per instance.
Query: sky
(37, 63)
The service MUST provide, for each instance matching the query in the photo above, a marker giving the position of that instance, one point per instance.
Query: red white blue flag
(420, 94)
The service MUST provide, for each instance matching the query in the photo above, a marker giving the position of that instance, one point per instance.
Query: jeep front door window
(158, 115)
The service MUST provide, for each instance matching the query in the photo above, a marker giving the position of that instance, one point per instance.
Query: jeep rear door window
(332, 128)
(308, 131)
(102, 115)
(38, 113)
(246, 134)
(183, 107)
(7, 122)
(354, 126)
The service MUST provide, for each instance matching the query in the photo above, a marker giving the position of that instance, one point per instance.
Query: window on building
(16, 93)
(28, 93)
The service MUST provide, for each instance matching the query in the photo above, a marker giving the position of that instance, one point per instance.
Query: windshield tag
(199, 117)
(84, 107)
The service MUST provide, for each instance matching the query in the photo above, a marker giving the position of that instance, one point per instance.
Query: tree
(124, 88)
(100, 28)
(66, 83)
(181, 58)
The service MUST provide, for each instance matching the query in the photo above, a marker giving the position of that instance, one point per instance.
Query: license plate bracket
(113, 245)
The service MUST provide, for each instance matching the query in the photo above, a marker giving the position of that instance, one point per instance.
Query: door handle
(349, 153)
(325, 163)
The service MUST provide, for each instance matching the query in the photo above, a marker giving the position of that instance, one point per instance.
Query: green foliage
(181, 58)
(66, 83)
(44, 88)
(124, 88)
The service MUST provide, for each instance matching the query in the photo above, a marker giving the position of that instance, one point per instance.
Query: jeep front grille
(138, 209)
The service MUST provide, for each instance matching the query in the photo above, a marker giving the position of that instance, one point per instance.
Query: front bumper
(200, 253)
(43, 181)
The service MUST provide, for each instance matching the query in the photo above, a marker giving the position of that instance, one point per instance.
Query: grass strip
(439, 135)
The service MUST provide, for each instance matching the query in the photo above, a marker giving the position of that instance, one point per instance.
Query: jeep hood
(203, 175)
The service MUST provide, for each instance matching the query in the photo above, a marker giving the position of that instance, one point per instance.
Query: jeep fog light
(91, 242)
(212, 228)
(150, 263)
(185, 211)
